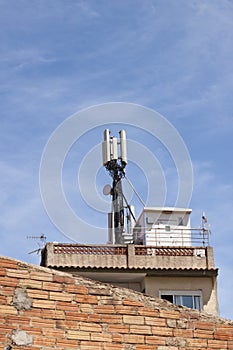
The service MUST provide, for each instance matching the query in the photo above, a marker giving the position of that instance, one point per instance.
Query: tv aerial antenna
(41, 243)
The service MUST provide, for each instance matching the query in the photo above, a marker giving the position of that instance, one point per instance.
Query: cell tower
(114, 154)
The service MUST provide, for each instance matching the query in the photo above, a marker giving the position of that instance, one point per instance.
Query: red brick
(41, 276)
(8, 281)
(5, 329)
(2, 271)
(28, 283)
(60, 324)
(169, 314)
(156, 340)
(78, 335)
(86, 299)
(3, 299)
(101, 337)
(224, 327)
(134, 339)
(61, 296)
(53, 314)
(106, 309)
(90, 345)
(140, 329)
(70, 288)
(145, 347)
(67, 343)
(63, 279)
(17, 320)
(148, 312)
(43, 323)
(32, 312)
(111, 318)
(109, 301)
(66, 306)
(168, 332)
(91, 327)
(8, 263)
(76, 316)
(96, 318)
(185, 333)
(133, 319)
(153, 321)
(2, 319)
(5, 290)
(204, 325)
(126, 310)
(99, 291)
(44, 304)
(217, 344)
(33, 330)
(223, 334)
(17, 273)
(200, 343)
(129, 302)
(203, 333)
(42, 341)
(37, 294)
(117, 338)
(108, 346)
(56, 333)
(8, 310)
(118, 328)
(86, 308)
(52, 286)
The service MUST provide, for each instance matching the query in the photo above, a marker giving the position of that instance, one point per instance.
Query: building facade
(166, 258)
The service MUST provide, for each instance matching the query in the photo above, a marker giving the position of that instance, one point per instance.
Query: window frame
(181, 293)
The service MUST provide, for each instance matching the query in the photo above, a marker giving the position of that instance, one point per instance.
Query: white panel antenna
(123, 146)
(114, 151)
(106, 152)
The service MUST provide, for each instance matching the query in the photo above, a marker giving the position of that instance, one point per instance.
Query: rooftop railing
(89, 249)
(173, 237)
(70, 249)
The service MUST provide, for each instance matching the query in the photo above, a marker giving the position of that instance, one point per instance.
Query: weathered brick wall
(45, 309)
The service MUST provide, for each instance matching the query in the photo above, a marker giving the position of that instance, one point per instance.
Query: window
(191, 299)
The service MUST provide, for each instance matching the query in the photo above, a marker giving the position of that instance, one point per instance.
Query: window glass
(197, 302)
(192, 301)
(187, 300)
(178, 299)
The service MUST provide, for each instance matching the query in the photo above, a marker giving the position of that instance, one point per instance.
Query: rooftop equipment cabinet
(163, 226)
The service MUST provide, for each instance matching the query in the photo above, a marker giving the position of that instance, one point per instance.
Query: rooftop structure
(158, 254)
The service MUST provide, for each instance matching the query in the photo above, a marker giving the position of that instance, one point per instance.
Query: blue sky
(59, 57)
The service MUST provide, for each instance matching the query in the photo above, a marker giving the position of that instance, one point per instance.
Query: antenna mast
(115, 165)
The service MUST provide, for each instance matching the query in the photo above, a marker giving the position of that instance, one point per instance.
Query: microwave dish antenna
(107, 190)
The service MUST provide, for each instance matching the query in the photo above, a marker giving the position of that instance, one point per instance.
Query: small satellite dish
(107, 190)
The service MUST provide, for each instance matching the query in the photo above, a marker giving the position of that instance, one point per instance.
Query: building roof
(129, 257)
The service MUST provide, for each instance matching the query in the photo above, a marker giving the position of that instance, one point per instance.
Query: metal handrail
(180, 235)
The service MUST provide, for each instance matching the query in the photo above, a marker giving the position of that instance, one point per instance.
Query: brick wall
(46, 309)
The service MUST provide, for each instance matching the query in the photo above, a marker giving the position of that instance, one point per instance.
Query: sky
(59, 58)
